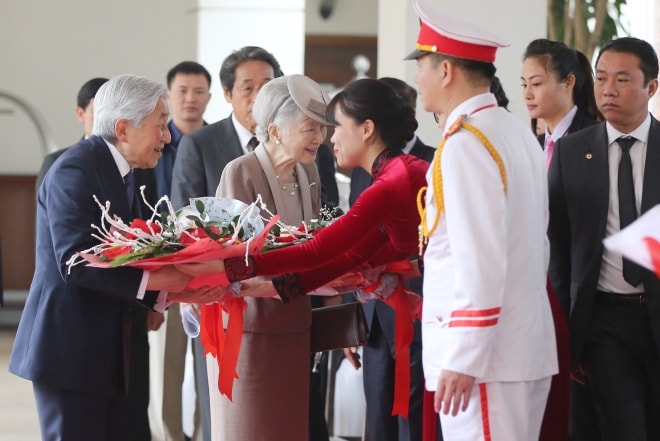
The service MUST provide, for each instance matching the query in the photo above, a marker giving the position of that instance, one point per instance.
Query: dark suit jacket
(580, 121)
(201, 157)
(579, 201)
(325, 162)
(49, 160)
(74, 331)
(360, 180)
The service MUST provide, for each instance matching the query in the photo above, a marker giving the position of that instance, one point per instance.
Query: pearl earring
(277, 142)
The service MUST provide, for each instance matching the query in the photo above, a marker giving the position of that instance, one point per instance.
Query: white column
(398, 26)
(223, 26)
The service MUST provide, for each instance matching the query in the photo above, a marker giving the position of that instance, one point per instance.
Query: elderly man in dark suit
(600, 179)
(73, 338)
(378, 376)
(141, 318)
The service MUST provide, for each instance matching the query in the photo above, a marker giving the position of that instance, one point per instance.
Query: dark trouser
(379, 389)
(623, 368)
(138, 386)
(583, 422)
(318, 426)
(73, 416)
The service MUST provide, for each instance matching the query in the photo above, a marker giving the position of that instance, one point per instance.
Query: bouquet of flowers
(208, 228)
(217, 228)
(282, 235)
(224, 344)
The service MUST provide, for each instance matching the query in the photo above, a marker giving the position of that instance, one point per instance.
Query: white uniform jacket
(486, 312)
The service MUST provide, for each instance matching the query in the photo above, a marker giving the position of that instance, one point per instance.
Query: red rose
(114, 252)
(196, 232)
(143, 225)
(284, 238)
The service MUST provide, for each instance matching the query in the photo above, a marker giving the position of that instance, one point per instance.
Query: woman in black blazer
(558, 86)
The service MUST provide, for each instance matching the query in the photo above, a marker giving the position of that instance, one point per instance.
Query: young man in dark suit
(73, 340)
(203, 154)
(378, 375)
(600, 180)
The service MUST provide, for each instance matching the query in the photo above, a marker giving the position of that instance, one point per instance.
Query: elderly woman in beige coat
(271, 396)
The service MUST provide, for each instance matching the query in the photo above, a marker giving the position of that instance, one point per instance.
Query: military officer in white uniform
(488, 338)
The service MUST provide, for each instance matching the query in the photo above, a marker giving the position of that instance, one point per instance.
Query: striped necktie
(252, 143)
(129, 182)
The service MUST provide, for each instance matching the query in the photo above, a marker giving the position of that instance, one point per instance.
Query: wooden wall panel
(17, 230)
(328, 59)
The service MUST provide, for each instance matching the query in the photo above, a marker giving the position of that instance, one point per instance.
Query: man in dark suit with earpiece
(600, 179)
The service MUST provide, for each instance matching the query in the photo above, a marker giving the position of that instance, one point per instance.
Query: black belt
(621, 299)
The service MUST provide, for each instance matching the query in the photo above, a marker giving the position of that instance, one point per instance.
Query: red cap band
(431, 41)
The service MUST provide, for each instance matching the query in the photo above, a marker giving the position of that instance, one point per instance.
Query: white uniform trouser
(511, 411)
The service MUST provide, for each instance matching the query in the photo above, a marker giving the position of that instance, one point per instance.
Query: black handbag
(337, 327)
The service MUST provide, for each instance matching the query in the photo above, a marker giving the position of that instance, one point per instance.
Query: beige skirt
(271, 395)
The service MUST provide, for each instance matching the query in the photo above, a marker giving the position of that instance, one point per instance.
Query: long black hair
(563, 61)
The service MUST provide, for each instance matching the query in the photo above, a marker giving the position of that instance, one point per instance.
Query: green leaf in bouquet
(163, 218)
(147, 252)
(230, 227)
(199, 204)
(131, 257)
(276, 230)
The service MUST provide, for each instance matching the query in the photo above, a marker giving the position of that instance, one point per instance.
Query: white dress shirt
(611, 270)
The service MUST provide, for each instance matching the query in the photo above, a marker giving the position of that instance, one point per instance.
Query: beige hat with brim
(309, 96)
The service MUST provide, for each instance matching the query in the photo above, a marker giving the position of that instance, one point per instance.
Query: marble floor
(18, 414)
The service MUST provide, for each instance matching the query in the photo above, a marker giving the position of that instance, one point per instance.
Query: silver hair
(125, 97)
(274, 105)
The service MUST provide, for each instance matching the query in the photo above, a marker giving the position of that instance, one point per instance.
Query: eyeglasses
(247, 91)
(436, 117)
